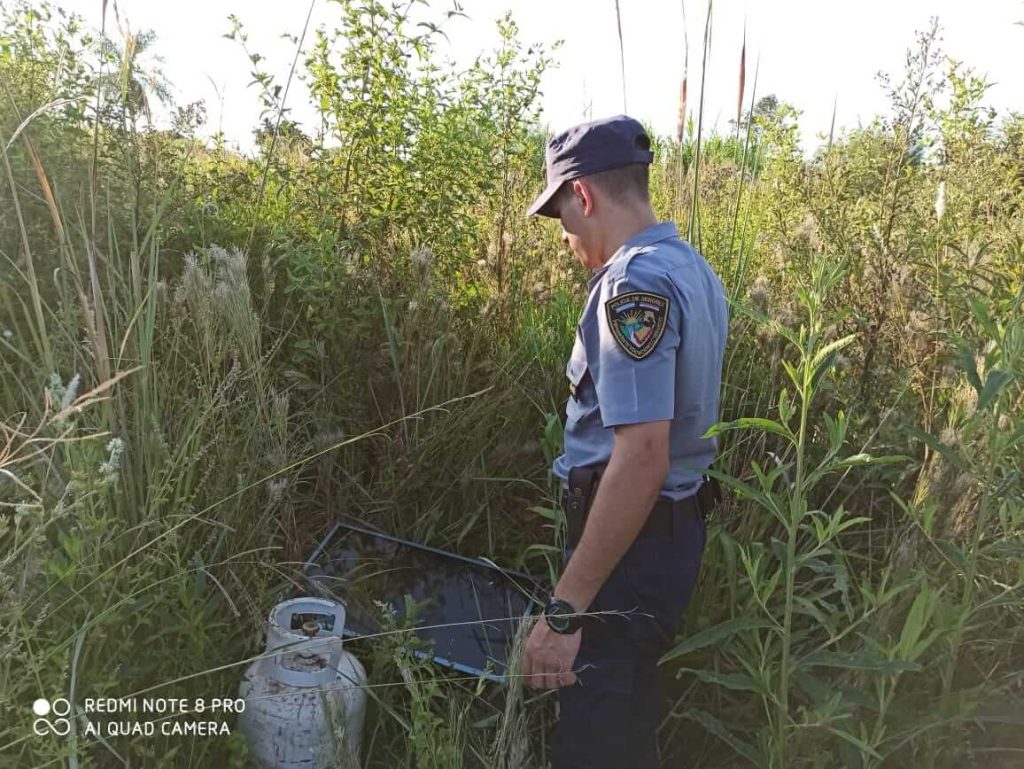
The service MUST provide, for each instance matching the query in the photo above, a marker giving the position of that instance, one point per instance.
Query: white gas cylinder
(305, 705)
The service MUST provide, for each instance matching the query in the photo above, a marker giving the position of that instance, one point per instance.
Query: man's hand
(548, 657)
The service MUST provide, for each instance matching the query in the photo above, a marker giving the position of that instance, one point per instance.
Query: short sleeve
(639, 327)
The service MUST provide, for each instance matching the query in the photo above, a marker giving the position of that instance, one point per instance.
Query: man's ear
(582, 191)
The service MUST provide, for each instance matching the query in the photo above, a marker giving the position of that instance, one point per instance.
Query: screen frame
(531, 589)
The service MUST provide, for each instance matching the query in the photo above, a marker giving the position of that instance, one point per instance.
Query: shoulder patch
(637, 321)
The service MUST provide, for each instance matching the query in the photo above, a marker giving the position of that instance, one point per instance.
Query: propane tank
(304, 706)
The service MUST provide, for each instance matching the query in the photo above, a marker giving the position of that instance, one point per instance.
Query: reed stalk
(622, 54)
(694, 224)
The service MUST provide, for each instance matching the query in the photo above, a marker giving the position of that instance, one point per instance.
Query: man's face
(578, 228)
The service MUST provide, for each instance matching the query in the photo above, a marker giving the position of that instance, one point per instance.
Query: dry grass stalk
(511, 746)
(36, 113)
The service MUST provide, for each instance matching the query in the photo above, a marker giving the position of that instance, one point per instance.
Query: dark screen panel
(469, 610)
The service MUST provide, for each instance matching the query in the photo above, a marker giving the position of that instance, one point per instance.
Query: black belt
(660, 521)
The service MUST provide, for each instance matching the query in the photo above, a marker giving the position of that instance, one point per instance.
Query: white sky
(811, 51)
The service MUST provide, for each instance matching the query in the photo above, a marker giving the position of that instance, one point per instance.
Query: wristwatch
(561, 617)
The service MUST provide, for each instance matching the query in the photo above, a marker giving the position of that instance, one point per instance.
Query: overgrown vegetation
(207, 358)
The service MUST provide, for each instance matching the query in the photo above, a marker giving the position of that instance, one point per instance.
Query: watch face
(560, 617)
(557, 623)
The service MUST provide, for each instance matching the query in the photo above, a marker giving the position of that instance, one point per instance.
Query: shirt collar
(647, 237)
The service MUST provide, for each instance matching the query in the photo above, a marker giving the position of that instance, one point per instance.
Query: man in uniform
(644, 380)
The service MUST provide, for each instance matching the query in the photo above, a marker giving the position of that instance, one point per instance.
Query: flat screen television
(469, 609)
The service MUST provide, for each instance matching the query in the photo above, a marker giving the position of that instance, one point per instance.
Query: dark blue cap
(590, 148)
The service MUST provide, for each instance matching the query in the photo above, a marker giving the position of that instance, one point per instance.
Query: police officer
(644, 380)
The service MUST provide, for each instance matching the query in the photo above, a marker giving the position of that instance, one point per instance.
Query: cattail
(681, 122)
(743, 77)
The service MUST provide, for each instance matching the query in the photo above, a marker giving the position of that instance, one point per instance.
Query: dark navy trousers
(609, 718)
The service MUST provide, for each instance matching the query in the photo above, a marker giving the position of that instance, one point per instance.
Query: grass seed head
(759, 294)
(950, 436)
(422, 257)
(71, 392)
(807, 235)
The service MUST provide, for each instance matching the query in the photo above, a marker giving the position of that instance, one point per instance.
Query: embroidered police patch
(637, 321)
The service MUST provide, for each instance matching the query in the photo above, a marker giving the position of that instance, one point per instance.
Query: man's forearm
(628, 489)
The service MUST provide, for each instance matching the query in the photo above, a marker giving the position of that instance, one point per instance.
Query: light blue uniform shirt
(649, 347)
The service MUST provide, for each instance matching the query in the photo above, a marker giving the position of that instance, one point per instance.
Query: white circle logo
(60, 726)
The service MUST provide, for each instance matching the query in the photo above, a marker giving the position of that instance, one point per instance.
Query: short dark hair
(623, 185)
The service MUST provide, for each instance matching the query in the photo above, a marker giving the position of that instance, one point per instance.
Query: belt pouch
(582, 484)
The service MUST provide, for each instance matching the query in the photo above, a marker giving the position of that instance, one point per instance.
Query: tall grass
(208, 359)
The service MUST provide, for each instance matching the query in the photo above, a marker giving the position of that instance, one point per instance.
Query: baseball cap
(590, 148)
